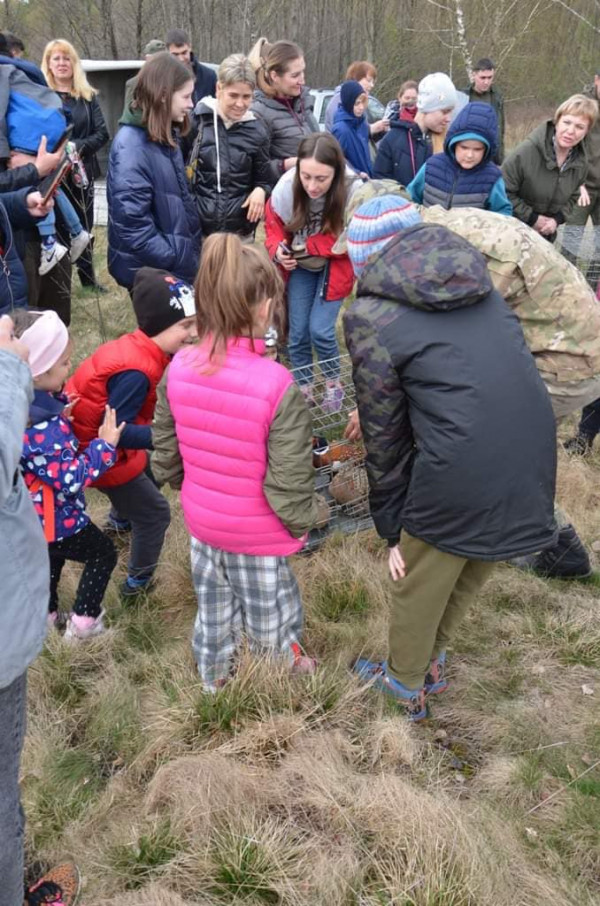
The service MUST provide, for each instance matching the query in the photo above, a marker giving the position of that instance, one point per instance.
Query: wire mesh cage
(340, 474)
(581, 246)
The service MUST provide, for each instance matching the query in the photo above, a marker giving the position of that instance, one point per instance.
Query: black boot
(567, 559)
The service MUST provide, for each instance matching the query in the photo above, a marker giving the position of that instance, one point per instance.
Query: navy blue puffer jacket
(402, 153)
(152, 218)
(13, 282)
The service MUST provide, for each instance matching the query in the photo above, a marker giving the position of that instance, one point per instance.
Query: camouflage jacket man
(458, 426)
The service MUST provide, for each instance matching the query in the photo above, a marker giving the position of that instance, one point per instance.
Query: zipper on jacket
(453, 191)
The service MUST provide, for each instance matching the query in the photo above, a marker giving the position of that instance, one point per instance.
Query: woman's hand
(109, 430)
(584, 197)
(289, 162)
(8, 341)
(35, 206)
(285, 259)
(255, 204)
(546, 226)
(396, 563)
(379, 126)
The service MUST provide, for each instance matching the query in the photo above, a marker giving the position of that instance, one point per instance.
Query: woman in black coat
(62, 67)
(229, 165)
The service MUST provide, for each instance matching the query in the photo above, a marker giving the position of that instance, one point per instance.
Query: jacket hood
(542, 137)
(45, 406)
(429, 268)
(132, 116)
(408, 126)
(342, 115)
(475, 121)
(208, 105)
(305, 100)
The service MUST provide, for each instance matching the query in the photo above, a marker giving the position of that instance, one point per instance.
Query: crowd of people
(470, 336)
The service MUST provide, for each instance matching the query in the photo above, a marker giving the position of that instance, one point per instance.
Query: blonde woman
(62, 67)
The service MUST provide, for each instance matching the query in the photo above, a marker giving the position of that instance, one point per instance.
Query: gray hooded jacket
(24, 569)
(287, 124)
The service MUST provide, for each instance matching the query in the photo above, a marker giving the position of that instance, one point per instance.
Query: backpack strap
(47, 507)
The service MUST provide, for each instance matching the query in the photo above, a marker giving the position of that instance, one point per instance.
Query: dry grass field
(311, 791)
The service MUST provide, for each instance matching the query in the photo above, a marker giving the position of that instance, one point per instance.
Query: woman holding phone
(152, 218)
(62, 67)
(303, 220)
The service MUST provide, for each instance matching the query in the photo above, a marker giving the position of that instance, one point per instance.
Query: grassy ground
(307, 791)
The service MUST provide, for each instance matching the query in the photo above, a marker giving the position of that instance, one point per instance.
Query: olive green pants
(427, 606)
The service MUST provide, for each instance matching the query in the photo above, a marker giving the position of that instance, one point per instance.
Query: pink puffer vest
(222, 419)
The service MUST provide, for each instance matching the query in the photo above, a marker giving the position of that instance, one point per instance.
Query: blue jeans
(13, 700)
(311, 323)
(47, 225)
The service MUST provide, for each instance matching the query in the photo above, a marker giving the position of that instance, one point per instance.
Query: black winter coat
(226, 173)
(401, 153)
(458, 425)
(89, 129)
(13, 282)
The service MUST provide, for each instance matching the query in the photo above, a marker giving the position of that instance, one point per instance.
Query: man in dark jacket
(205, 78)
(482, 89)
(459, 431)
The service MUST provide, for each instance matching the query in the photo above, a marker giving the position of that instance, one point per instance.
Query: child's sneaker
(79, 243)
(52, 253)
(333, 397)
(116, 528)
(435, 679)
(133, 588)
(375, 672)
(60, 886)
(80, 627)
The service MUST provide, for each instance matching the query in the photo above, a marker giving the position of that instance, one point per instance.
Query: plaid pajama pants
(241, 596)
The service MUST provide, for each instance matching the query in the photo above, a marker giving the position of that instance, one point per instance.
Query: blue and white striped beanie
(374, 223)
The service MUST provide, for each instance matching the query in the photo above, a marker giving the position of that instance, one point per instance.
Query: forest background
(544, 50)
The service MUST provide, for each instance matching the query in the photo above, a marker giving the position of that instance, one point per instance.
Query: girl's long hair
(265, 57)
(81, 88)
(325, 149)
(233, 280)
(156, 84)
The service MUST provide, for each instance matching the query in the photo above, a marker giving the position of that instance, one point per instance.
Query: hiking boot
(80, 627)
(580, 445)
(52, 253)
(134, 589)
(435, 678)
(79, 243)
(333, 397)
(375, 672)
(567, 559)
(60, 886)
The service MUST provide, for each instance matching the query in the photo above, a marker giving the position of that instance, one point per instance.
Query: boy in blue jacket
(464, 174)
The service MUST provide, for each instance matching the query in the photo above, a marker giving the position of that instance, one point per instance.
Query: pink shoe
(308, 392)
(333, 397)
(79, 627)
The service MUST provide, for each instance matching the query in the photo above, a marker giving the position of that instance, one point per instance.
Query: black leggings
(96, 550)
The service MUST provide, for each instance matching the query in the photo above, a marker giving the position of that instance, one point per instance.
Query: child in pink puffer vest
(244, 437)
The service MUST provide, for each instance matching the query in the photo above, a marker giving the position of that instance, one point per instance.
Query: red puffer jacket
(340, 276)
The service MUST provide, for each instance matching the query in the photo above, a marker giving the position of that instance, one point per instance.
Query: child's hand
(109, 431)
(9, 342)
(396, 563)
(68, 410)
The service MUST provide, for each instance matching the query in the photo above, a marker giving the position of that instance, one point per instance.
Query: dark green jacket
(495, 99)
(534, 183)
(592, 147)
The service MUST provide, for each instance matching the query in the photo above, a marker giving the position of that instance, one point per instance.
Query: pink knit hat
(46, 341)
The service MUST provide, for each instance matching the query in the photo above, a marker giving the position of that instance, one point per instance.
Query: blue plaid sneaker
(435, 679)
(375, 672)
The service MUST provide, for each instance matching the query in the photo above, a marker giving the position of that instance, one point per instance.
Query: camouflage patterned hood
(427, 267)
